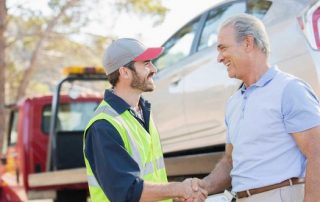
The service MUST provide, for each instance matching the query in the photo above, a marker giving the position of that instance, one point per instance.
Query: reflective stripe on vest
(92, 181)
(148, 155)
(149, 166)
(135, 152)
(144, 169)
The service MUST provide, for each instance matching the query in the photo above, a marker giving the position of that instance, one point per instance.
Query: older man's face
(231, 53)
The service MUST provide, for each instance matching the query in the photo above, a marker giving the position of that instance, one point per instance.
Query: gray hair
(248, 25)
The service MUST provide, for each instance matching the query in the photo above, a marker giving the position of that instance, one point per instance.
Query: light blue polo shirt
(260, 120)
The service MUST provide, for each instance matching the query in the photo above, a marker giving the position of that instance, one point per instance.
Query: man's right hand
(193, 190)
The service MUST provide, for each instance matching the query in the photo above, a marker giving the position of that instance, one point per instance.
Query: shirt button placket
(244, 104)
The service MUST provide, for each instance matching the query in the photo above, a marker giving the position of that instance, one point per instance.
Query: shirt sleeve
(116, 172)
(300, 107)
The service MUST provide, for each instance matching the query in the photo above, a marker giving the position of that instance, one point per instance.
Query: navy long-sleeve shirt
(116, 172)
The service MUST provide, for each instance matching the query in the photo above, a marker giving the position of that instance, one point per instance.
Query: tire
(71, 196)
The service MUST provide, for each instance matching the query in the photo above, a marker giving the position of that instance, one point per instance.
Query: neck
(256, 70)
(131, 96)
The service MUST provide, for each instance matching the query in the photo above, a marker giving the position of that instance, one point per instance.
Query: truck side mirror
(3, 160)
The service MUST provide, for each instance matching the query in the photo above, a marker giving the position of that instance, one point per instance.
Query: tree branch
(21, 92)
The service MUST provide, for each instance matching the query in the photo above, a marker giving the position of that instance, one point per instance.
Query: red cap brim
(149, 54)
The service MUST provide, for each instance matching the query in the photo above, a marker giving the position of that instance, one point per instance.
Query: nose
(220, 57)
(153, 68)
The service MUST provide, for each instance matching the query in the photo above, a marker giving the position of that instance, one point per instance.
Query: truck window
(13, 130)
(71, 116)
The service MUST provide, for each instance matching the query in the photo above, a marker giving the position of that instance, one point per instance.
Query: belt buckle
(230, 194)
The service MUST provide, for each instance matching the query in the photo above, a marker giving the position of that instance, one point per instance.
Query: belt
(288, 182)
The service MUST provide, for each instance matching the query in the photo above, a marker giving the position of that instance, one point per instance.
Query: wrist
(207, 185)
(174, 190)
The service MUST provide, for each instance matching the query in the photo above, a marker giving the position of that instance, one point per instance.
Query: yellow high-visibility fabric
(143, 147)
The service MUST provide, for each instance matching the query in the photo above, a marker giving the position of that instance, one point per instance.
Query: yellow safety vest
(144, 148)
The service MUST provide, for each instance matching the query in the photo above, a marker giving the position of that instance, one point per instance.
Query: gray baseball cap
(122, 51)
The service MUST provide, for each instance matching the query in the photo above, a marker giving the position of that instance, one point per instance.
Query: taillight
(316, 25)
(309, 22)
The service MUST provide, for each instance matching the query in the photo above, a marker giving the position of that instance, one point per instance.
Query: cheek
(141, 75)
(236, 56)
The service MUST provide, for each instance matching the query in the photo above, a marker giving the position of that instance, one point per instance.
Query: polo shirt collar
(266, 78)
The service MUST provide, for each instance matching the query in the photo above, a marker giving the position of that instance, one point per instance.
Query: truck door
(10, 170)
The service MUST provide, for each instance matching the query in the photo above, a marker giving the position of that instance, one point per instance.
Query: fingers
(194, 190)
(195, 184)
(190, 199)
(204, 192)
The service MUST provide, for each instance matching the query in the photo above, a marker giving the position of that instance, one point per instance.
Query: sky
(180, 12)
(130, 25)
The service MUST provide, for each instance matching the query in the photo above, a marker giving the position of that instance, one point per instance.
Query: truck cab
(27, 145)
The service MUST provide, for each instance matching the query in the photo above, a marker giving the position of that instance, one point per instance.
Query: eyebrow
(219, 46)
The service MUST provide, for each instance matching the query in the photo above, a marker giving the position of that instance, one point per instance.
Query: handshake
(192, 190)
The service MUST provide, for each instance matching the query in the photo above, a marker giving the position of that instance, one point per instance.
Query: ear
(124, 72)
(249, 43)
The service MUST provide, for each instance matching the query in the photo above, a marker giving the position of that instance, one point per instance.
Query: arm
(219, 179)
(308, 142)
(181, 190)
(301, 112)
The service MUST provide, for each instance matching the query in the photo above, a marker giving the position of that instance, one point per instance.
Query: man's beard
(141, 83)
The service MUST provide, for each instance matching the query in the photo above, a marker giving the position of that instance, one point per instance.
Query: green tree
(3, 21)
(38, 42)
(67, 17)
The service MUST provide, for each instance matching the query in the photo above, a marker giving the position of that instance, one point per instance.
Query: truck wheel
(71, 196)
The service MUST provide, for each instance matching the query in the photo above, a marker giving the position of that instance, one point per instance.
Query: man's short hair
(113, 78)
(248, 25)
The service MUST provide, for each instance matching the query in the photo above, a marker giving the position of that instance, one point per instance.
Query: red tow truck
(42, 151)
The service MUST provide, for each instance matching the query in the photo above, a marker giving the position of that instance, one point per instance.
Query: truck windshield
(71, 116)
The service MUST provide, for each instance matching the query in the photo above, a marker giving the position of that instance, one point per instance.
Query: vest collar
(118, 104)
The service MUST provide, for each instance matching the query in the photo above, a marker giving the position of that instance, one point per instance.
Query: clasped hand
(193, 190)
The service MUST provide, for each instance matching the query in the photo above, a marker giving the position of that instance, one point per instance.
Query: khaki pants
(293, 193)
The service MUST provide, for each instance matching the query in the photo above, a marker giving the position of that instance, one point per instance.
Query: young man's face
(142, 77)
(231, 53)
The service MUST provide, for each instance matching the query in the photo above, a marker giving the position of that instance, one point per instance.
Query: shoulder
(102, 130)
(299, 96)
(291, 83)
(298, 87)
(285, 78)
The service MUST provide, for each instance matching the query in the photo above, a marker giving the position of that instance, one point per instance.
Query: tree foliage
(3, 22)
(153, 8)
(39, 43)
(33, 35)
